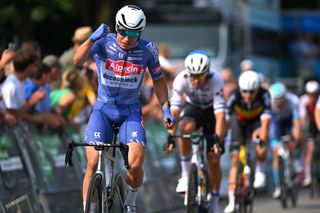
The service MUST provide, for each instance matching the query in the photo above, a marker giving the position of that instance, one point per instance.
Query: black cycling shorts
(241, 131)
(202, 117)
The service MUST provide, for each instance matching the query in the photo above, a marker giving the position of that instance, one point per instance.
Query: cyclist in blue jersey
(122, 59)
(285, 120)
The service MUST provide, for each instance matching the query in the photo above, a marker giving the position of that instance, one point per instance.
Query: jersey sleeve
(153, 61)
(295, 106)
(266, 114)
(219, 103)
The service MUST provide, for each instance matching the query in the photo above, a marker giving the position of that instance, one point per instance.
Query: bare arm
(264, 131)
(297, 134)
(220, 124)
(317, 117)
(82, 52)
(161, 90)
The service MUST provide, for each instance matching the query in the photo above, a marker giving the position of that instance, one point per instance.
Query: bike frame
(198, 157)
(102, 169)
(285, 154)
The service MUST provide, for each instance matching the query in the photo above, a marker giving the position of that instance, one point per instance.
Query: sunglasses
(248, 91)
(197, 76)
(129, 33)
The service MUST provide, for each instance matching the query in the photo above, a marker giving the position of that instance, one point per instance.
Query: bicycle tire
(283, 187)
(207, 187)
(116, 198)
(249, 201)
(239, 201)
(293, 187)
(206, 192)
(315, 174)
(192, 205)
(95, 186)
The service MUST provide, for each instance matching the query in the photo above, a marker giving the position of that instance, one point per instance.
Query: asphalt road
(265, 204)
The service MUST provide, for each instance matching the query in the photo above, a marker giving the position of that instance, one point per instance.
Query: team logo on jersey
(154, 50)
(134, 134)
(97, 134)
(123, 68)
(157, 70)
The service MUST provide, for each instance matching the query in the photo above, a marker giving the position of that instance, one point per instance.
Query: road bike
(288, 176)
(244, 192)
(198, 194)
(106, 187)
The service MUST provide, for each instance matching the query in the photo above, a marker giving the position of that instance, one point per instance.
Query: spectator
(81, 34)
(62, 98)
(169, 69)
(246, 65)
(230, 82)
(13, 89)
(32, 46)
(55, 66)
(81, 108)
(5, 64)
(41, 112)
(6, 57)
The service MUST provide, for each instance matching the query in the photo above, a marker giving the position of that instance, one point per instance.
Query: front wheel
(315, 174)
(94, 194)
(192, 203)
(116, 197)
(283, 186)
(240, 192)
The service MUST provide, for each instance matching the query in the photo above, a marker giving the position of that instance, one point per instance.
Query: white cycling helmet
(249, 81)
(312, 87)
(130, 17)
(197, 62)
(277, 90)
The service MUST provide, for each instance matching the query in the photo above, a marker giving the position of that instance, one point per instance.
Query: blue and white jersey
(290, 109)
(120, 72)
(211, 95)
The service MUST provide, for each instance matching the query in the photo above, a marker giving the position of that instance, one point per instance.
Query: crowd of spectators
(46, 90)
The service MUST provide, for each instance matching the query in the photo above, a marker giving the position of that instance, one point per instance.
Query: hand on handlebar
(170, 144)
(217, 147)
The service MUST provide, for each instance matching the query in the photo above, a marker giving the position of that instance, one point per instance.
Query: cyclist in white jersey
(122, 59)
(204, 107)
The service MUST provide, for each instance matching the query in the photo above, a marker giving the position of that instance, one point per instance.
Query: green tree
(54, 20)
